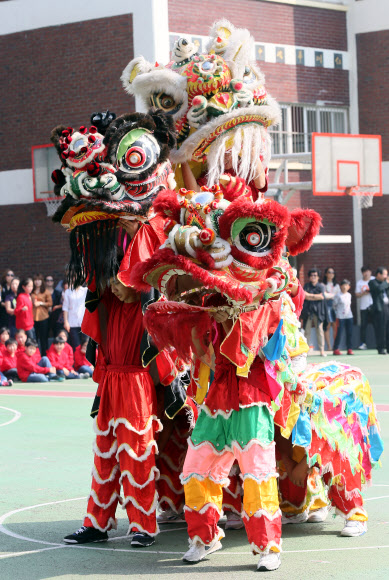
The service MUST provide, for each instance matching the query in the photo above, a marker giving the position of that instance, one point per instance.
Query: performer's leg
(232, 499)
(205, 472)
(136, 453)
(320, 335)
(308, 330)
(105, 492)
(364, 321)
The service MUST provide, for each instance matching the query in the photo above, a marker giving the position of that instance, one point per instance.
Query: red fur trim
(174, 329)
(205, 258)
(207, 279)
(166, 204)
(305, 225)
(269, 210)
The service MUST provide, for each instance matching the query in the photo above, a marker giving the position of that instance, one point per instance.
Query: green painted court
(46, 458)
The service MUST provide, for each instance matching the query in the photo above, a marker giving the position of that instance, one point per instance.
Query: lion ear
(135, 67)
(304, 227)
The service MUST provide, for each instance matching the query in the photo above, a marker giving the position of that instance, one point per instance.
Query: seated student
(60, 361)
(21, 337)
(31, 372)
(4, 336)
(68, 349)
(81, 363)
(9, 362)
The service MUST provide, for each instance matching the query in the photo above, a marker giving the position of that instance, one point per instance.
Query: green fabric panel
(128, 140)
(242, 426)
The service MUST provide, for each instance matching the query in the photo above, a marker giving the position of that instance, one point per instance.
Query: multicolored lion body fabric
(224, 255)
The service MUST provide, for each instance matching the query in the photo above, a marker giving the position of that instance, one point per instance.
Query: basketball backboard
(345, 164)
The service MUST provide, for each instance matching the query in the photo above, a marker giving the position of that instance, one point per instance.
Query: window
(44, 161)
(298, 122)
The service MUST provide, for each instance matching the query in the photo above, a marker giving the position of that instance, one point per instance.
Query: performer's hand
(131, 226)
(219, 316)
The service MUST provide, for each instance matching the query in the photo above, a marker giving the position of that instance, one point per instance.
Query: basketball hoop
(364, 194)
(52, 205)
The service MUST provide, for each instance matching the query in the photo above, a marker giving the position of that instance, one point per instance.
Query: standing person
(57, 319)
(73, 312)
(342, 306)
(23, 312)
(5, 290)
(55, 295)
(314, 309)
(379, 288)
(10, 305)
(362, 291)
(42, 302)
(331, 290)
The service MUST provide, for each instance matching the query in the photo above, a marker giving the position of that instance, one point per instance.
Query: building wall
(373, 94)
(58, 74)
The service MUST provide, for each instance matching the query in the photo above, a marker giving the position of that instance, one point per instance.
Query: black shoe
(142, 540)
(84, 535)
(383, 351)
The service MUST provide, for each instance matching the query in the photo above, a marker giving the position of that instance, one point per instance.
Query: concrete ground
(46, 457)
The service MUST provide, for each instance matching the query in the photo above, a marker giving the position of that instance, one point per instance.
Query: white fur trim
(132, 500)
(154, 475)
(223, 482)
(166, 499)
(169, 462)
(256, 550)
(95, 498)
(235, 444)
(260, 478)
(115, 422)
(196, 539)
(262, 513)
(112, 523)
(227, 506)
(96, 475)
(141, 529)
(107, 454)
(354, 511)
(205, 508)
(126, 447)
(170, 484)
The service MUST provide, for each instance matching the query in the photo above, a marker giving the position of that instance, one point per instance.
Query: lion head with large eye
(217, 100)
(220, 242)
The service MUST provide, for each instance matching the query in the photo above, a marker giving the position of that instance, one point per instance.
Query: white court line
(15, 418)
(7, 532)
(13, 554)
(371, 498)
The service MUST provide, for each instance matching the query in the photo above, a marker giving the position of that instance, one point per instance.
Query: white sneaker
(234, 522)
(170, 517)
(363, 346)
(354, 528)
(317, 516)
(297, 519)
(198, 551)
(268, 562)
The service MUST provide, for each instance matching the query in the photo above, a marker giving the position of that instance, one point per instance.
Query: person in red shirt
(60, 361)
(67, 349)
(23, 312)
(21, 338)
(4, 336)
(9, 362)
(32, 372)
(81, 363)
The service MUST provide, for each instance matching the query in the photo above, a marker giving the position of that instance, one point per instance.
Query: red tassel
(92, 129)
(72, 154)
(91, 138)
(83, 129)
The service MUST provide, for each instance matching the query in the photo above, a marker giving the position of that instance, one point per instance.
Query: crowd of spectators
(40, 330)
(327, 306)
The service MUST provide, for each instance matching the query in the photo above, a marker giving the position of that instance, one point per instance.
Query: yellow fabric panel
(202, 390)
(260, 495)
(199, 493)
(244, 371)
(293, 415)
(359, 516)
(298, 453)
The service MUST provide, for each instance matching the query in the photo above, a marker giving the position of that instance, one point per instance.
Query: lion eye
(135, 157)
(255, 237)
